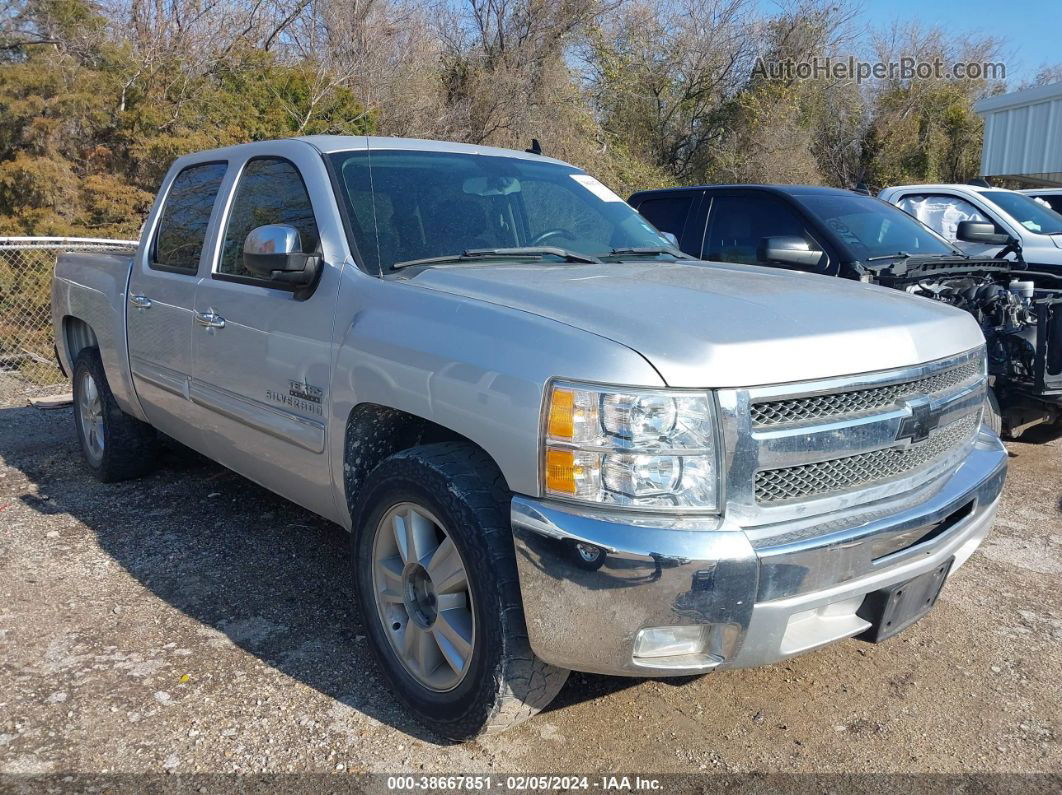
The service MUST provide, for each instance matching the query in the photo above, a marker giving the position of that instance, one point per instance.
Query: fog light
(671, 641)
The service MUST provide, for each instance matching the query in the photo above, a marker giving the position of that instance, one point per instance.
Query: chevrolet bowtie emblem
(921, 421)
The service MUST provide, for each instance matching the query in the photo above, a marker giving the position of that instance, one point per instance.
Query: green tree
(88, 126)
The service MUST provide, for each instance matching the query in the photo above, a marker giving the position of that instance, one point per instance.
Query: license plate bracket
(894, 609)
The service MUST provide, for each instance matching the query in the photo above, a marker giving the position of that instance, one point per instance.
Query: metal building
(1023, 136)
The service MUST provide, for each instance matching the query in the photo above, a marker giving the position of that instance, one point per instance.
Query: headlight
(640, 448)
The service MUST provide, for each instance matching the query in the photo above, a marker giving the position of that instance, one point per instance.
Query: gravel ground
(192, 621)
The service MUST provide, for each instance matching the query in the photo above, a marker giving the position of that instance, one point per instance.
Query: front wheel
(436, 582)
(588, 556)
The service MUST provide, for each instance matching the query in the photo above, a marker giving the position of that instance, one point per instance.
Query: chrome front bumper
(755, 603)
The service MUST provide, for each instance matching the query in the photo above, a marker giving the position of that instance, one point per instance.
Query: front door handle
(140, 301)
(209, 319)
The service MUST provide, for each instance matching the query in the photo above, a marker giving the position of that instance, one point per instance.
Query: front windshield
(1026, 211)
(407, 205)
(871, 228)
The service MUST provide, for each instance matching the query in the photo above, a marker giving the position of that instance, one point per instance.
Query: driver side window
(270, 191)
(738, 224)
(943, 213)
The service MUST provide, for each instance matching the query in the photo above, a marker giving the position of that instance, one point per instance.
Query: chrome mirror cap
(272, 239)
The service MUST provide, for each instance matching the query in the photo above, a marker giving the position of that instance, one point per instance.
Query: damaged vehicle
(1033, 225)
(837, 232)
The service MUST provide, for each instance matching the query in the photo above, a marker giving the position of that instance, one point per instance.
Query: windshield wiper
(533, 251)
(521, 252)
(646, 251)
(897, 255)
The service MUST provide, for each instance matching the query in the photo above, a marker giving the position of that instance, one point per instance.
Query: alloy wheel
(90, 411)
(423, 597)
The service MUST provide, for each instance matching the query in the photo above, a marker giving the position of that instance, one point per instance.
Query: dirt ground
(192, 621)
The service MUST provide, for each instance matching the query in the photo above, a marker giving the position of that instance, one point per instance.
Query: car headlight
(654, 449)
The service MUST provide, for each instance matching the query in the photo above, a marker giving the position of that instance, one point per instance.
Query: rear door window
(185, 217)
(270, 191)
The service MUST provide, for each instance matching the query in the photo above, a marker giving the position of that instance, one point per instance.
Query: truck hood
(720, 325)
(1038, 250)
(1046, 250)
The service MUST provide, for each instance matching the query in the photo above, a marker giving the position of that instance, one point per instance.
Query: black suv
(837, 232)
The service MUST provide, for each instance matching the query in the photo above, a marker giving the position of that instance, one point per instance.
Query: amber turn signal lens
(560, 471)
(562, 414)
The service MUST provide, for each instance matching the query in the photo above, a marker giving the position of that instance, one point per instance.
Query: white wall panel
(1023, 135)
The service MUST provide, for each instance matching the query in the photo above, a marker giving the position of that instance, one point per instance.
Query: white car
(1052, 197)
(943, 207)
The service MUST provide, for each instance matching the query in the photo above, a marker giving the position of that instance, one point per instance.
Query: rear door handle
(209, 320)
(140, 301)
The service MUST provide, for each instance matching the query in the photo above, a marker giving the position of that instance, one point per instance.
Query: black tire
(129, 447)
(504, 683)
(993, 418)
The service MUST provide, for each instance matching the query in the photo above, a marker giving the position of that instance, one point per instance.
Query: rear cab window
(185, 218)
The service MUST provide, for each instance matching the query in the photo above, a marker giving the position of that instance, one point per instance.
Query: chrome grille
(857, 471)
(793, 411)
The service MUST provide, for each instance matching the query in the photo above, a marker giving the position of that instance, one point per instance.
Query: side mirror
(670, 238)
(274, 252)
(788, 250)
(980, 232)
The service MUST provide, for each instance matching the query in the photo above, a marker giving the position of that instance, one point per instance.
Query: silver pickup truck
(558, 443)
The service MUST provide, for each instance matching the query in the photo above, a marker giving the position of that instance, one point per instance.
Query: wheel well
(377, 432)
(77, 335)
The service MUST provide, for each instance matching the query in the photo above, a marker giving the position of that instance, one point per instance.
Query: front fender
(475, 368)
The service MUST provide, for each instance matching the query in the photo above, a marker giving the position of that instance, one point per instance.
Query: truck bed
(88, 309)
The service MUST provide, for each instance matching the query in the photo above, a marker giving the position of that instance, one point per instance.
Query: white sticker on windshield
(595, 187)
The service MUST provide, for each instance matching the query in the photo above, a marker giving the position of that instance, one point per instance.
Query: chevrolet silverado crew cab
(841, 233)
(558, 442)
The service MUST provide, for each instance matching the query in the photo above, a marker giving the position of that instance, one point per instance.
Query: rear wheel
(436, 582)
(115, 446)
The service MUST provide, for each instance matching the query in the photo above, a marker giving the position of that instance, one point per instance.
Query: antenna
(536, 148)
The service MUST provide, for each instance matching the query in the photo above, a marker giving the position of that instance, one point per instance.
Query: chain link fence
(27, 359)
